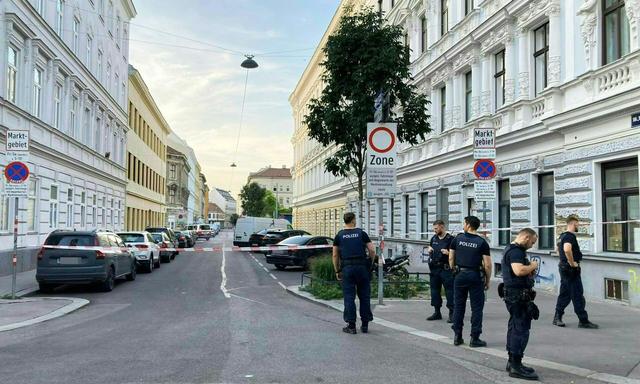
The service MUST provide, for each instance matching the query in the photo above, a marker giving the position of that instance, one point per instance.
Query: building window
(472, 207)
(53, 207)
(12, 73)
(83, 208)
(468, 6)
(546, 210)
(541, 57)
(73, 117)
(172, 196)
(57, 105)
(620, 195)
(59, 17)
(40, 6)
(504, 212)
(616, 30)
(424, 215)
(37, 91)
(87, 126)
(423, 33)
(31, 206)
(89, 53)
(443, 108)
(499, 78)
(70, 220)
(172, 171)
(468, 92)
(406, 216)
(444, 16)
(616, 289)
(76, 36)
(442, 205)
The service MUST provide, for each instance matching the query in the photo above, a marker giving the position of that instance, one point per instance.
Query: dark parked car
(184, 239)
(256, 239)
(164, 242)
(103, 266)
(298, 257)
(170, 234)
(274, 236)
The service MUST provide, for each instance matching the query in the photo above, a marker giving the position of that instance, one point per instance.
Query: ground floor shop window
(621, 206)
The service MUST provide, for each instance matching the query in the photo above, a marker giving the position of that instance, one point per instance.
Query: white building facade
(64, 67)
(179, 144)
(560, 83)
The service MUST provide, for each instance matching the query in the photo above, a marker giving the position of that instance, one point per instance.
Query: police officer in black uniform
(470, 258)
(353, 267)
(440, 274)
(518, 278)
(570, 280)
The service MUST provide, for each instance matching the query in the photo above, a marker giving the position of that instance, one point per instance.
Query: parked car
(298, 257)
(257, 239)
(274, 236)
(170, 234)
(163, 241)
(144, 248)
(113, 260)
(202, 231)
(248, 225)
(185, 239)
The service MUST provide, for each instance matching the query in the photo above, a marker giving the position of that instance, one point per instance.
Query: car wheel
(281, 267)
(46, 288)
(110, 282)
(159, 262)
(151, 264)
(132, 275)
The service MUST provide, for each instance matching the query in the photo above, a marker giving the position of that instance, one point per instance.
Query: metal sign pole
(380, 268)
(15, 252)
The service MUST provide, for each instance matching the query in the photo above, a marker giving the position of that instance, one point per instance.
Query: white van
(247, 225)
(201, 231)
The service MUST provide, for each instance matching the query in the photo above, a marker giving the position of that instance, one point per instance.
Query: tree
(252, 199)
(364, 57)
(269, 204)
(233, 219)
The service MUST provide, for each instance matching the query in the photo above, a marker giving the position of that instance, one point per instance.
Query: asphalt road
(177, 326)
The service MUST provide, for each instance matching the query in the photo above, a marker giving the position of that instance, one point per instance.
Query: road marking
(282, 285)
(223, 284)
(260, 264)
(265, 269)
(273, 277)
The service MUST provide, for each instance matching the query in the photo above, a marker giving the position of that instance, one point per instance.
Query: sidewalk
(25, 283)
(611, 350)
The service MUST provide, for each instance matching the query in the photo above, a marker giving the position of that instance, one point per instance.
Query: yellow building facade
(319, 198)
(146, 158)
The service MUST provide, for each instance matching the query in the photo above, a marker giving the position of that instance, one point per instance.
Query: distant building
(276, 180)
(177, 188)
(216, 214)
(180, 145)
(225, 201)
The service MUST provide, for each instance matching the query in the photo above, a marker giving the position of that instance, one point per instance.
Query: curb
(74, 306)
(570, 369)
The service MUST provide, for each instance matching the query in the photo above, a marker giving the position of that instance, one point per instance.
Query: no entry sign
(484, 169)
(381, 160)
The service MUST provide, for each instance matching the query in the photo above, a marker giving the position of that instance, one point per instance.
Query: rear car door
(116, 254)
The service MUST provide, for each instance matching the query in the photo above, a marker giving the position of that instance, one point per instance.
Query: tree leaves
(252, 199)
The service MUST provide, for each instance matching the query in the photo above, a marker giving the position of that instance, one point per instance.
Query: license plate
(69, 260)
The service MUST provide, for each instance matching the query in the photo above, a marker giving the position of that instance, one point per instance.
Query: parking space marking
(265, 269)
(273, 277)
(282, 285)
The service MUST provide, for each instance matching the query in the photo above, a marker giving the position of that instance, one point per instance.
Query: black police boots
(450, 319)
(365, 327)
(351, 329)
(436, 315)
(557, 320)
(457, 339)
(587, 324)
(519, 371)
(509, 362)
(476, 342)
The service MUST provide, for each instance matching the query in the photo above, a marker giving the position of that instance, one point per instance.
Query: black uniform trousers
(438, 278)
(356, 280)
(519, 326)
(468, 283)
(571, 291)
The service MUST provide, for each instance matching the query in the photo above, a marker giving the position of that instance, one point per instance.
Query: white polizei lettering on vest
(467, 244)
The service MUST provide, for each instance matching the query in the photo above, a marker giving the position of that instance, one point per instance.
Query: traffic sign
(381, 160)
(485, 190)
(16, 172)
(484, 169)
(484, 143)
(17, 141)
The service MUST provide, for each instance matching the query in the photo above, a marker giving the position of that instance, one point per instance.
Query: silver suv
(108, 261)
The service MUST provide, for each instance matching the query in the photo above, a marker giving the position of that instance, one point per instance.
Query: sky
(189, 54)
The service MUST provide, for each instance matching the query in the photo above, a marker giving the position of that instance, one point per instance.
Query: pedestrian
(439, 271)
(518, 278)
(571, 289)
(469, 257)
(353, 268)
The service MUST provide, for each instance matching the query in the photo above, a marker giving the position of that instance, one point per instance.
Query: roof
(227, 196)
(214, 208)
(284, 173)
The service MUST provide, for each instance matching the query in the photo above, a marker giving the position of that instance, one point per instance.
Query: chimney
(284, 166)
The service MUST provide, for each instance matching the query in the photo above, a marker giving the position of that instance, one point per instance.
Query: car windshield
(71, 240)
(132, 237)
(295, 240)
(205, 227)
(157, 236)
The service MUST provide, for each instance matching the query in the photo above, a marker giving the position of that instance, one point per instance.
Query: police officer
(470, 257)
(353, 267)
(570, 280)
(517, 275)
(440, 274)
